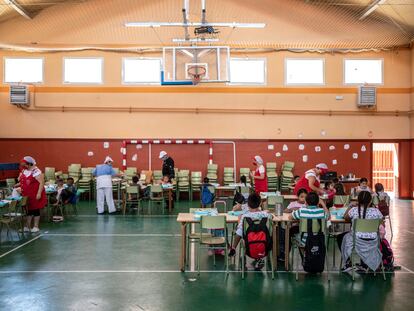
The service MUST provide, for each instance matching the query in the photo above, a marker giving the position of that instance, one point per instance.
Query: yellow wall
(394, 95)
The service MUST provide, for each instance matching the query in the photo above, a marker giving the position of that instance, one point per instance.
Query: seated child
(330, 191)
(254, 213)
(380, 193)
(133, 196)
(315, 209)
(301, 202)
(383, 199)
(59, 188)
(363, 186)
(240, 204)
(69, 192)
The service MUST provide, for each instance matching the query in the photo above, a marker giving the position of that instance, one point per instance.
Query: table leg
(169, 200)
(287, 242)
(275, 237)
(183, 246)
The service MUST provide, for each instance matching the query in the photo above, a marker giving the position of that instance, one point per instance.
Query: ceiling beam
(18, 8)
(371, 8)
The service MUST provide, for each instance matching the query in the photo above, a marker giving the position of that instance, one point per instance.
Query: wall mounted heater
(19, 95)
(367, 96)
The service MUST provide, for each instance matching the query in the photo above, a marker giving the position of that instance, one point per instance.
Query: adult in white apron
(104, 173)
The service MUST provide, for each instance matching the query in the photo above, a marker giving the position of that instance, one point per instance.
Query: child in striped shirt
(315, 209)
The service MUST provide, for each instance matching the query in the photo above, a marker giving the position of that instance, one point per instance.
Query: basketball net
(196, 73)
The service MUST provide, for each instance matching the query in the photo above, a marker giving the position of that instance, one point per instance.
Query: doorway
(385, 166)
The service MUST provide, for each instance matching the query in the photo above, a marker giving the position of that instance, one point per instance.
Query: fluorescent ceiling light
(162, 24)
(187, 53)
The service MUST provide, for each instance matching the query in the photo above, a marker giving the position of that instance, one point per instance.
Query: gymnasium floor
(131, 263)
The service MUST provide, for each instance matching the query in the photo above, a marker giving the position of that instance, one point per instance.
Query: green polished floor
(131, 263)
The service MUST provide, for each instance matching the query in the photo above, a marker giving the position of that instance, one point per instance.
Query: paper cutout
(139, 146)
(90, 153)
(300, 135)
(331, 147)
(318, 149)
(279, 130)
(323, 133)
(106, 145)
(346, 146)
(363, 148)
(277, 154)
(370, 134)
(301, 147)
(134, 157)
(270, 147)
(285, 148)
(334, 162)
(305, 158)
(355, 156)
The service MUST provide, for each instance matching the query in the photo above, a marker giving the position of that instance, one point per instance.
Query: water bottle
(279, 210)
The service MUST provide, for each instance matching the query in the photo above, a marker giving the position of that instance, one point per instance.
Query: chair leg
(327, 265)
(389, 218)
(353, 267)
(198, 259)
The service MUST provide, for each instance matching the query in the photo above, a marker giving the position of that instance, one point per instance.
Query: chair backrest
(365, 225)
(196, 175)
(12, 206)
(23, 201)
(10, 182)
(303, 225)
(132, 189)
(275, 199)
(271, 166)
(133, 170)
(228, 171)
(156, 189)
(244, 190)
(341, 200)
(212, 167)
(289, 165)
(213, 222)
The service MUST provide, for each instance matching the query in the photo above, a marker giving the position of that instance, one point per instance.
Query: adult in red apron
(310, 181)
(31, 181)
(259, 176)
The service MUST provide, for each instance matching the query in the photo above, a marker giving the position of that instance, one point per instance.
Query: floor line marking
(20, 246)
(405, 268)
(115, 234)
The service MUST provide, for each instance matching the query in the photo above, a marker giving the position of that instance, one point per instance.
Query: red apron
(260, 185)
(303, 183)
(30, 186)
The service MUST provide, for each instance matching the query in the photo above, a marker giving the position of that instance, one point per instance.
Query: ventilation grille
(367, 96)
(19, 95)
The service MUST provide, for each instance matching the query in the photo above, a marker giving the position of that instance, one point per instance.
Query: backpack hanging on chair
(257, 238)
(387, 255)
(383, 207)
(315, 250)
(206, 196)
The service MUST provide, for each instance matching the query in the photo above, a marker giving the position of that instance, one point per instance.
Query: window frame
(305, 84)
(84, 83)
(19, 57)
(139, 83)
(363, 58)
(264, 59)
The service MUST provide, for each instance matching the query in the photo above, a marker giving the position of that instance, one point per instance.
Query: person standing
(31, 182)
(310, 181)
(167, 165)
(104, 173)
(259, 177)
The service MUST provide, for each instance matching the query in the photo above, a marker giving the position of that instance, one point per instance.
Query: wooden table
(285, 218)
(221, 190)
(188, 218)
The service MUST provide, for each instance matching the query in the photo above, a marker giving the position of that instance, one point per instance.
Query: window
(82, 70)
(360, 71)
(248, 71)
(29, 70)
(300, 71)
(141, 70)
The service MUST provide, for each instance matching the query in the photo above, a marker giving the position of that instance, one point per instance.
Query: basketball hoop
(196, 73)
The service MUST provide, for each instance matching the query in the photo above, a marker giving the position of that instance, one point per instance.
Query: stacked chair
(130, 172)
(74, 171)
(272, 177)
(50, 174)
(85, 182)
(183, 184)
(212, 173)
(196, 181)
(157, 175)
(286, 179)
(228, 176)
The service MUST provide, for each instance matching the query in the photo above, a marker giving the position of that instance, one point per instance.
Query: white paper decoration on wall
(278, 154)
(270, 147)
(317, 148)
(355, 156)
(106, 145)
(90, 153)
(370, 134)
(285, 148)
(323, 133)
(301, 147)
(346, 146)
(279, 131)
(134, 157)
(300, 135)
(334, 162)
(363, 148)
(139, 146)
(305, 158)
(331, 147)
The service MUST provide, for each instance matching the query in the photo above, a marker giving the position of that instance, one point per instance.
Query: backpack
(257, 239)
(315, 250)
(387, 255)
(383, 207)
(238, 198)
(206, 196)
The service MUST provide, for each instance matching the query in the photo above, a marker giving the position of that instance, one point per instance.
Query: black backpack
(238, 198)
(257, 238)
(315, 250)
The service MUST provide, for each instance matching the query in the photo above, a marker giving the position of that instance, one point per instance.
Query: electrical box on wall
(367, 96)
(19, 95)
